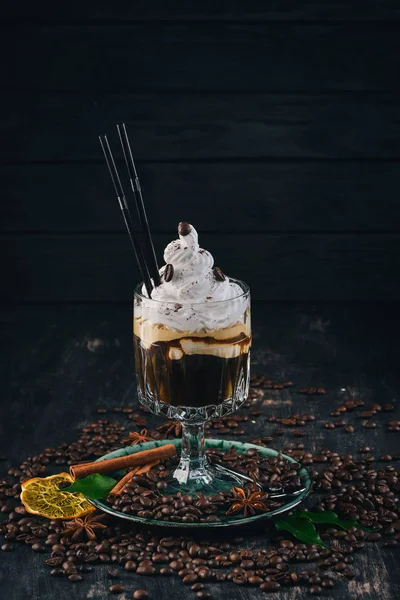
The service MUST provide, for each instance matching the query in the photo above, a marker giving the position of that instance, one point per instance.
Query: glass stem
(193, 466)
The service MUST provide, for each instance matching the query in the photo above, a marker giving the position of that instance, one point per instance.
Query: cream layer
(227, 342)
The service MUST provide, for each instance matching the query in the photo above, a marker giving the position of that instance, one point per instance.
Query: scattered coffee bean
(270, 586)
(117, 588)
(140, 595)
(197, 587)
(204, 595)
(130, 565)
(58, 572)
(190, 579)
(315, 590)
(146, 570)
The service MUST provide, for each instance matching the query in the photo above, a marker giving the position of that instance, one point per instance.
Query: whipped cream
(193, 298)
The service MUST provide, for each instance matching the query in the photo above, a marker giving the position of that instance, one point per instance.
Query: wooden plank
(282, 57)
(179, 126)
(236, 197)
(277, 267)
(93, 11)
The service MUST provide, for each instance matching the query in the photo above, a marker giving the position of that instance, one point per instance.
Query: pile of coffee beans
(358, 486)
(145, 497)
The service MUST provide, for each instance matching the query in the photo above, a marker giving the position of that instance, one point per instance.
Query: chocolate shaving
(169, 272)
(184, 228)
(218, 274)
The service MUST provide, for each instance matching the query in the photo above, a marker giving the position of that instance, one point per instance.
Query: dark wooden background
(272, 126)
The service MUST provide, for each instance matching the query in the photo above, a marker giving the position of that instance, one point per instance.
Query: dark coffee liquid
(194, 380)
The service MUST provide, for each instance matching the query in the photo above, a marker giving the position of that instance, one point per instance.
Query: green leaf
(94, 486)
(330, 518)
(303, 529)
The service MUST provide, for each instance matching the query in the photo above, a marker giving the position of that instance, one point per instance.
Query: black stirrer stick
(125, 211)
(137, 194)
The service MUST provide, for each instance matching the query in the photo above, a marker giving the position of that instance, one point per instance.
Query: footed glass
(194, 374)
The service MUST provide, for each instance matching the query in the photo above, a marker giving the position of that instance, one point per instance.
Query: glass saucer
(228, 521)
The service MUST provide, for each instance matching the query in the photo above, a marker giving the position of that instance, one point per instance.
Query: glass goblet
(194, 374)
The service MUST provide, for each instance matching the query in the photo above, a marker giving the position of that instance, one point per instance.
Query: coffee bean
(168, 272)
(286, 544)
(130, 565)
(218, 274)
(255, 580)
(184, 228)
(315, 589)
(7, 547)
(140, 595)
(236, 558)
(247, 564)
(203, 594)
(58, 572)
(298, 433)
(75, 578)
(320, 458)
(116, 588)
(349, 429)
(270, 586)
(147, 570)
(189, 579)
(366, 414)
(176, 565)
(197, 587)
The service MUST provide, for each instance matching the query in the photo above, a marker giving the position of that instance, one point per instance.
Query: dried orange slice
(40, 496)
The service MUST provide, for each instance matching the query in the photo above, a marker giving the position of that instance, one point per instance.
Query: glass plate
(229, 521)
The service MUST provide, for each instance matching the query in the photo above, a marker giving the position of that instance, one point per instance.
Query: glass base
(205, 479)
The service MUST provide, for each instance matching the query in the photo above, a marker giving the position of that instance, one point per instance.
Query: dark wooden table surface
(60, 363)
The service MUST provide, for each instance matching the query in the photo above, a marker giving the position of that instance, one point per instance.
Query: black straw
(137, 194)
(125, 212)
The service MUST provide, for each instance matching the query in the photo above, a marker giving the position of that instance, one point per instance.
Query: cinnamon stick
(119, 488)
(123, 462)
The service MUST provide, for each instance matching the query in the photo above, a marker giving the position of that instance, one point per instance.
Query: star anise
(137, 438)
(247, 502)
(171, 429)
(85, 526)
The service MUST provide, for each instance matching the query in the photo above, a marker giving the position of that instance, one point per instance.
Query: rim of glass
(242, 284)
